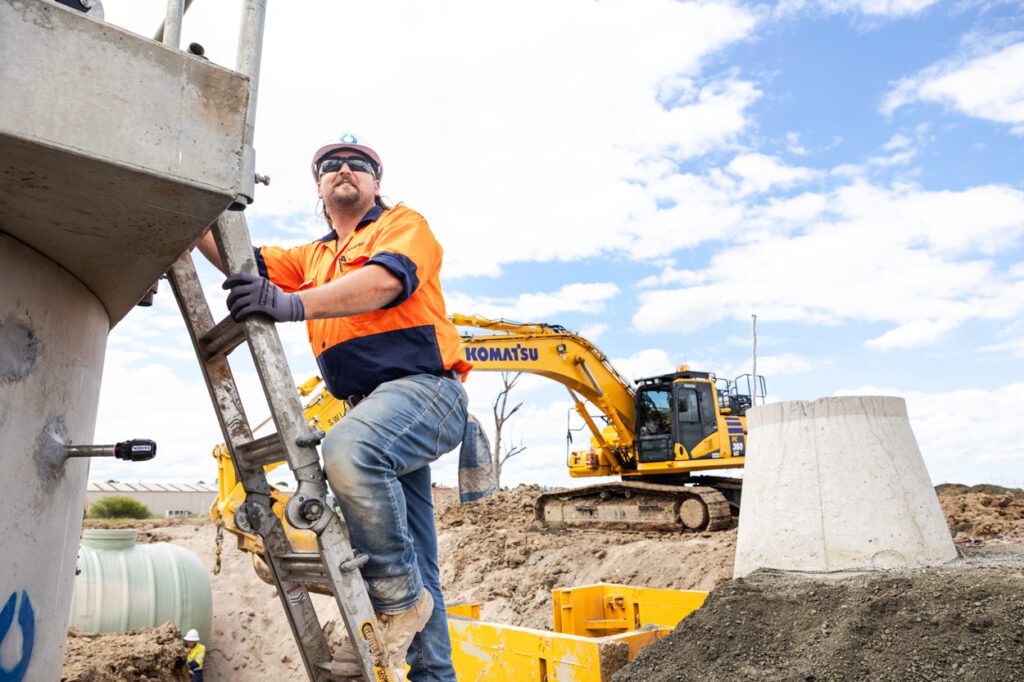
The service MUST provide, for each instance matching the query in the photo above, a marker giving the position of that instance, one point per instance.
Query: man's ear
(376, 185)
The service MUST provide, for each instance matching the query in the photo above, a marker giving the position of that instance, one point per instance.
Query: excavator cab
(674, 410)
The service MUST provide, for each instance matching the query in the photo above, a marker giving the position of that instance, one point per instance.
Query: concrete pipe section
(837, 484)
(53, 333)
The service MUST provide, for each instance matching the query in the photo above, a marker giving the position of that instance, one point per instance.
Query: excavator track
(693, 508)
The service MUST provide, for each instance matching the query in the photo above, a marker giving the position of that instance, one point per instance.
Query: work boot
(398, 631)
(400, 628)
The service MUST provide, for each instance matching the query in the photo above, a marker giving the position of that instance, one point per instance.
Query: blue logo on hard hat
(349, 138)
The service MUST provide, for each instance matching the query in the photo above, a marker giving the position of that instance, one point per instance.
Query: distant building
(162, 499)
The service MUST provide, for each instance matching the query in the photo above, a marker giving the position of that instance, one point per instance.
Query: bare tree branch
(502, 414)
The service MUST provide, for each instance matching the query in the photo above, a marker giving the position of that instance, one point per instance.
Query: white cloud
(649, 362)
(793, 144)
(592, 332)
(989, 85)
(896, 143)
(786, 363)
(869, 8)
(537, 306)
(760, 172)
(1016, 347)
(880, 254)
(947, 424)
(912, 334)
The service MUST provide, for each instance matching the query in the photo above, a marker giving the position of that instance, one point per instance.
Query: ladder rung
(306, 577)
(223, 338)
(301, 557)
(261, 451)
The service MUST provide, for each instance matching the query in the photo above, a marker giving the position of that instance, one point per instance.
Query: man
(371, 295)
(196, 654)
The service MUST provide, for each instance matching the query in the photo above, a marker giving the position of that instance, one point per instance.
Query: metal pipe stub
(136, 450)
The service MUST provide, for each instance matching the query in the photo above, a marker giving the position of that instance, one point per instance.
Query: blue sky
(652, 174)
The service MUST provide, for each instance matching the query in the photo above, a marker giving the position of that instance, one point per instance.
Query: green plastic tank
(122, 586)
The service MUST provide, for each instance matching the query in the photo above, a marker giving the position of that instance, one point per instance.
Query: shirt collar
(371, 216)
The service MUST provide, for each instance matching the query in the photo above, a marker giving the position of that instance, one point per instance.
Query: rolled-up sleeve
(409, 251)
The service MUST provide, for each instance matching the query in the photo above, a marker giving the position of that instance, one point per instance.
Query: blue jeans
(377, 461)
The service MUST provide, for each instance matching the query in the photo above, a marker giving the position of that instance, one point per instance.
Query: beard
(346, 195)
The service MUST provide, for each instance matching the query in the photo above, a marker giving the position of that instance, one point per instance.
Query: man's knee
(348, 461)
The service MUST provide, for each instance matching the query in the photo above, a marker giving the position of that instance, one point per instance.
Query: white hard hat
(192, 635)
(347, 141)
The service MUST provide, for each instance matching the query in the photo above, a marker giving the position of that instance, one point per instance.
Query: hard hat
(347, 141)
(192, 635)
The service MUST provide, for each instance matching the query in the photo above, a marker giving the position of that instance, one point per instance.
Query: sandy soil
(147, 655)
(494, 553)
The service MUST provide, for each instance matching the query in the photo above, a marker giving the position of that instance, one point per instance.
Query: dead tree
(502, 414)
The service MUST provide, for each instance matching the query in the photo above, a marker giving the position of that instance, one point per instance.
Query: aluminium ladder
(335, 564)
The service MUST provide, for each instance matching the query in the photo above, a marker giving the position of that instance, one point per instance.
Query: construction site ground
(963, 621)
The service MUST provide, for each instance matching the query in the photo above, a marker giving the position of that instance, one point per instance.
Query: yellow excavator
(656, 435)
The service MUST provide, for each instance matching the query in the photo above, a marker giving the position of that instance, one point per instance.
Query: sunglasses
(356, 164)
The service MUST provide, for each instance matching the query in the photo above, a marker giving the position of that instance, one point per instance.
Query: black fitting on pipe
(137, 450)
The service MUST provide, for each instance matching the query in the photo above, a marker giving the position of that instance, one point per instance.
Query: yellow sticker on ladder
(381, 671)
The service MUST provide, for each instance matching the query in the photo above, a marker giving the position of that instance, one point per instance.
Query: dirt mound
(146, 655)
(944, 489)
(965, 621)
(496, 553)
(983, 513)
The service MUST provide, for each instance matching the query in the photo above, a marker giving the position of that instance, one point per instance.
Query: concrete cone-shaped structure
(837, 484)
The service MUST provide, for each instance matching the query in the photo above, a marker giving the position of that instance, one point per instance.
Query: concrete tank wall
(53, 334)
(837, 484)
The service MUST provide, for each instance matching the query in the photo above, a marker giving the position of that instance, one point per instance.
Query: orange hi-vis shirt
(410, 335)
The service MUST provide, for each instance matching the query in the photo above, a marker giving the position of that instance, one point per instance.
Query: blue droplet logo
(27, 623)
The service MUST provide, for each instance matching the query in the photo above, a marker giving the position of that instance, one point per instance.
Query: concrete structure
(837, 484)
(162, 499)
(115, 151)
(115, 154)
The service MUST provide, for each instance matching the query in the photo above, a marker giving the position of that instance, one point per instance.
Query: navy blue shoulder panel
(357, 366)
(261, 265)
(371, 216)
(402, 268)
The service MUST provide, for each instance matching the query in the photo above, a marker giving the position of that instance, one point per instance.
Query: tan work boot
(400, 628)
(398, 631)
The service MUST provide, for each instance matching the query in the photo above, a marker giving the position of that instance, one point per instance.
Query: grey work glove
(255, 295)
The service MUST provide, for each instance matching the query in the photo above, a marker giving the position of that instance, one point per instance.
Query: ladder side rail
(159, 35)
(223, 390)
(220, 381)
(306, 508)
(295, 598)
(342, 565)
(172, 23)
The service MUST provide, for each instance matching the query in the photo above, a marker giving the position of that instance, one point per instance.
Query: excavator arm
(560, 355)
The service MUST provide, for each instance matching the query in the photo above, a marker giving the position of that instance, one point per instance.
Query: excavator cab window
(654, 419)
(686, 401)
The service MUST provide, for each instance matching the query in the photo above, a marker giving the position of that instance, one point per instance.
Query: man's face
(347, 187)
